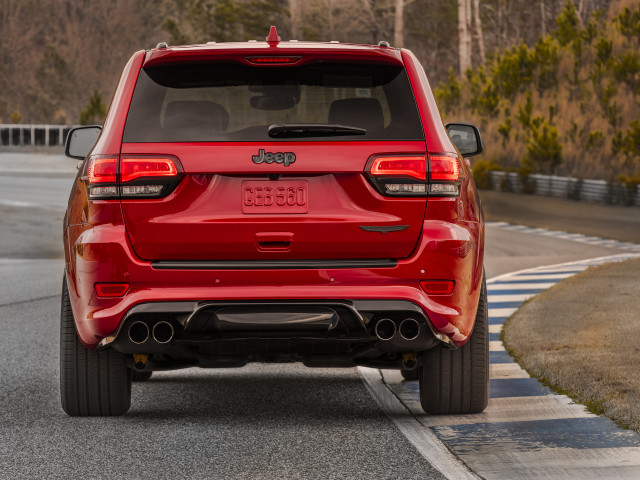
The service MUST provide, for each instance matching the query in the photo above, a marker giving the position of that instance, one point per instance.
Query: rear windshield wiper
(289, 130)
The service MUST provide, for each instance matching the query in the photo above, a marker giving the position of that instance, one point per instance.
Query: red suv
(273, 202)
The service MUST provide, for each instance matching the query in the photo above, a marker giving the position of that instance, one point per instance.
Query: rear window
(216, 102)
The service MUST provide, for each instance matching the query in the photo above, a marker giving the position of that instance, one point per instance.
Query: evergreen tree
(95, 112)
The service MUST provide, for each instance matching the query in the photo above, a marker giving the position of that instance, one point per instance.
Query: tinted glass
(227, 102)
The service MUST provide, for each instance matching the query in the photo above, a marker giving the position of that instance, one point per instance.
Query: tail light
(415, 175)
(132, 176)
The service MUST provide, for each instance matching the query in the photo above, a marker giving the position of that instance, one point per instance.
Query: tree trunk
(464, 35)
(478, 28)
(580, 11)
(543, 19)
(398, 24)
(296, 19)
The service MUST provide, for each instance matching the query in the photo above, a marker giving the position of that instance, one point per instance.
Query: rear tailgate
(223, 208)
(246, 195)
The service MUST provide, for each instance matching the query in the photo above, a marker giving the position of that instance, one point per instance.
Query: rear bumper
(317, 333)
(451, 251)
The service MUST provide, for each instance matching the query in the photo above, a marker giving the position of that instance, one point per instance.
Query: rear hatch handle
(274, 241)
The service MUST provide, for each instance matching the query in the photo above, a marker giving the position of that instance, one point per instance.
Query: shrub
(544, 150)
(448, 94)
(545, 58)
(629, 187)
(15, 117)
(528, 183)
(481, 171)
(513, 70)
(629, 23)
(95, 111)
(567, 24)
(626, 68)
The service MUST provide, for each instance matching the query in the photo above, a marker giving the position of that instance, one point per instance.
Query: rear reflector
(437, 287)
(111, 289)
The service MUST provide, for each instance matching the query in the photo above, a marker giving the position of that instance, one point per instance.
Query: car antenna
(273, 38)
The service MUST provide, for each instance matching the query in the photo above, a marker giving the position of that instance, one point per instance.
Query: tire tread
(457, 381)
(91, 383)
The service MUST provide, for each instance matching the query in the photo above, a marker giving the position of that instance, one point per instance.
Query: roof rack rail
(162, 45)
(383, 43)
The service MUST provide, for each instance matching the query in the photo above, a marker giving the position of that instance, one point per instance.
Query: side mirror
(466, 138)
(81, 140)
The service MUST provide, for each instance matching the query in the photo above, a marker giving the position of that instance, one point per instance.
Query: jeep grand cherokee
(274, 201)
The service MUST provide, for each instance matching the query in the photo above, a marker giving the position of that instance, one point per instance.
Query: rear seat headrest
(198, 117)
(357, 112)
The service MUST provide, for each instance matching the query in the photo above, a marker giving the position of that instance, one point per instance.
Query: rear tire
(140, 376)
(91, 383)
(457, 381)
(411, 375)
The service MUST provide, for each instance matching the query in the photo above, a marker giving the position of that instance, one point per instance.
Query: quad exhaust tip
(385, 329)
(162, 332)
(138, 332)
(409, 329)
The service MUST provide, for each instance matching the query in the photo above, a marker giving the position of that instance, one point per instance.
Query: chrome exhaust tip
(385, 329)
(162, 332)
(138, 332)
(409, 329)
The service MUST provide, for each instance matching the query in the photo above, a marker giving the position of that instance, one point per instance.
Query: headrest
(198, 119)
(357, 112)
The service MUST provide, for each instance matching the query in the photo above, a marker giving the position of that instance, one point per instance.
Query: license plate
(274, 196)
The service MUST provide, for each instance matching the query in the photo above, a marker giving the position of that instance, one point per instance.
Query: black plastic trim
(383, 229)
(273, 264)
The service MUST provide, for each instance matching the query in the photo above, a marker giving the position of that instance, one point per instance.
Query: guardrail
(16, 135)
(599, 191)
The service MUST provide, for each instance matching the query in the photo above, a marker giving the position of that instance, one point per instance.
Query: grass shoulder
(582, 338)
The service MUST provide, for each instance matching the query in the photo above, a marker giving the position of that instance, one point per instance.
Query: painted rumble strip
(527, 431)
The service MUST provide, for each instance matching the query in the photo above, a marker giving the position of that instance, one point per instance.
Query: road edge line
(425, 441)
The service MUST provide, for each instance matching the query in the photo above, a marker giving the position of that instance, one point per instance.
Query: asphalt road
(262, 421)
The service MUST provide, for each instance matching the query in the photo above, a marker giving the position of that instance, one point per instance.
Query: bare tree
(478, 29)
(295, 12)
(398, 24)
(376, 17)
(464, 35)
